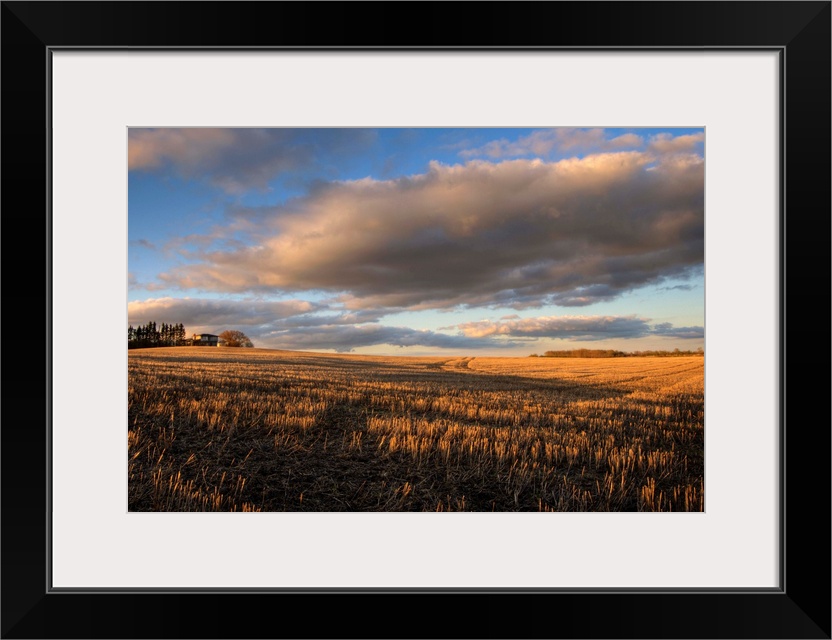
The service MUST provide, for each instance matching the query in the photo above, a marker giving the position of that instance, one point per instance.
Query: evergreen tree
(152, 335)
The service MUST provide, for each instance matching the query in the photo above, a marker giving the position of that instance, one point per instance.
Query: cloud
(303, 325)
(578, 328)
(564, 327)
(146, 244)
(546, 141)
(668, 330)
(237, 159)
(295, 324)
(207, 314)
(346, 338)
(667, 143)
(678, 287)
(517, 233)
(585, 296)
(279, 324)
(330, 319)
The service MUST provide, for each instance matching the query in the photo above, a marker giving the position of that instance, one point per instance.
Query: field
(213, 429)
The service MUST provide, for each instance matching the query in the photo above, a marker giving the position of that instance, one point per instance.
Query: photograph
(416, 319)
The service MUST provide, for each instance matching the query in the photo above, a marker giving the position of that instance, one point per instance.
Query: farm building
(205, 340)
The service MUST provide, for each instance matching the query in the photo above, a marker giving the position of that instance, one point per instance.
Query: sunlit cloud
(667, 143)
(517, 233)
(579, 328)
(546, 141)
(571, 327)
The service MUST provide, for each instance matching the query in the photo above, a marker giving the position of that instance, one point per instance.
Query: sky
(443, 241)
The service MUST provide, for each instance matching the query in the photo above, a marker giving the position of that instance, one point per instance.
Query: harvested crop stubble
(265, 430)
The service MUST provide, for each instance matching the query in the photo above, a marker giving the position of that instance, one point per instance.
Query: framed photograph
(681, 149)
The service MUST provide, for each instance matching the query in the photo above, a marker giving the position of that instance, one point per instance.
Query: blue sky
(421, 241)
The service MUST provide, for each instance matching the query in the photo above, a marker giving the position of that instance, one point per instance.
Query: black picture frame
(799, 31)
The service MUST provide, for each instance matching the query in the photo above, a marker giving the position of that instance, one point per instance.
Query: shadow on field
(442, 376)
(274, 432)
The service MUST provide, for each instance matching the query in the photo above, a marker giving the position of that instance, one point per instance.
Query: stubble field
(214, 429)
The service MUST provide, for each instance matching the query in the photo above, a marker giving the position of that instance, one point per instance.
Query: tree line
(173, 335)
(612, 353)
(151, 335)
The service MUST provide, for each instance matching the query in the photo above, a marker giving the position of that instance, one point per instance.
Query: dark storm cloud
(237, 159)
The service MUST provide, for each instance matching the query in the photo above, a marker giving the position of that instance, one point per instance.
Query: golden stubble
(263, 430)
